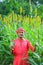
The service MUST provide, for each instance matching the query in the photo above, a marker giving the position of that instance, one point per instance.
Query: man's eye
(21, 32)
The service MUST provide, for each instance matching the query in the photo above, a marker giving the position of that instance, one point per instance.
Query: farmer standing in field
(20, 47)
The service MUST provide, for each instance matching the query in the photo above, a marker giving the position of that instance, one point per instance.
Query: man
(20, 48)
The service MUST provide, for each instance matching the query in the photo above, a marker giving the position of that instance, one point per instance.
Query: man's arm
(29, 45)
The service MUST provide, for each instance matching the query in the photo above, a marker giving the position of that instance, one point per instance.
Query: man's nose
(21, 34)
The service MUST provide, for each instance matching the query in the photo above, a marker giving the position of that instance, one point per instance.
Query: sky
(1, 0)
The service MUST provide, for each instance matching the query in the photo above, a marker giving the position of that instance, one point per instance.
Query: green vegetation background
(27, 14)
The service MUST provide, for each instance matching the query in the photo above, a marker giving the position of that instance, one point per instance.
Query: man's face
(21, 34)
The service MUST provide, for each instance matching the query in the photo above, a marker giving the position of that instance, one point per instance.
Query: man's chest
(21, 45)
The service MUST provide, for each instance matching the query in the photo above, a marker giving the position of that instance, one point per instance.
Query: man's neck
(20, 37)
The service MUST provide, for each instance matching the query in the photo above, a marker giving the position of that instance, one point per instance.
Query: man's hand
(12, 44)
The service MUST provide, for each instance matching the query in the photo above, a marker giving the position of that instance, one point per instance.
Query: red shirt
(20, 51)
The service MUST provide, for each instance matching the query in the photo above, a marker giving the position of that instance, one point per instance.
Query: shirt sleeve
(29, 46)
